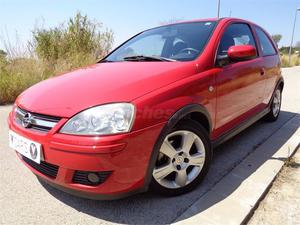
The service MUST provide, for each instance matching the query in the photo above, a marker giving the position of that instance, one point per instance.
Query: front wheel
(275, 106)
(183, 160)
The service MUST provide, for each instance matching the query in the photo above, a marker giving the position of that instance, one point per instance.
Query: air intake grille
(45, 168)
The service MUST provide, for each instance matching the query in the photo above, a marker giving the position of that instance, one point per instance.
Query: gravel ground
(282, 204)
(23, 200)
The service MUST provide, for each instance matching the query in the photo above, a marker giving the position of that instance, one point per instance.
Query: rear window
(265, 43)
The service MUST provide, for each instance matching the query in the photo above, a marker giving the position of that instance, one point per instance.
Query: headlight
(101, 120)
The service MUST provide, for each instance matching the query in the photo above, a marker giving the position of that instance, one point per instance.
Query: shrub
(295, 60)
(55, 50)
(17, 75)
(80, 39)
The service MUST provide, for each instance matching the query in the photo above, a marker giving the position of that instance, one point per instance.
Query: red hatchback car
(150, 113)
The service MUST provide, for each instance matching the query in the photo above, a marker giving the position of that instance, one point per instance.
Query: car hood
(67, 94)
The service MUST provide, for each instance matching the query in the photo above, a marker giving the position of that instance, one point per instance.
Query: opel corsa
(150, 113)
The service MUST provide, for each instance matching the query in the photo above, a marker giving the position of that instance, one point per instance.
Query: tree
(277, 38)
(3, 61)
(3, 54)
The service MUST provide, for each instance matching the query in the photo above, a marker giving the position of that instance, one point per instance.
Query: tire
(183, 160)
(275, 106)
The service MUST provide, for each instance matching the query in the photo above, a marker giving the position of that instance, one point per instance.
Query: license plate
(30, 149)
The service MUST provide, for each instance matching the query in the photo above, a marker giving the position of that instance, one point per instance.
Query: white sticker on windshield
(207, 24)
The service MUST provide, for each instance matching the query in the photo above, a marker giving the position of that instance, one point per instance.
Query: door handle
(262, 71)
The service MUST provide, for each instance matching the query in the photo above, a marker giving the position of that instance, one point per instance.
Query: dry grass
(19, 74)
(295, 60)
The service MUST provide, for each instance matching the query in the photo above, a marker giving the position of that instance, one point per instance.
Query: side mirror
(241, 52)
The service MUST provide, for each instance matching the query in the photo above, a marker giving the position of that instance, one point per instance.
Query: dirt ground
(282, 204)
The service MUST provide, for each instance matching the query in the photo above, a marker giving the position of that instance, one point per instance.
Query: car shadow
(150, 208)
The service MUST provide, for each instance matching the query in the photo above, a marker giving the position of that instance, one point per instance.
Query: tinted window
(265, 43)
(180, 42)
(235, 34)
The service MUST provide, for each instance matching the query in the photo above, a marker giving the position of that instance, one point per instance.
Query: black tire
(199, 130)
(273, 115)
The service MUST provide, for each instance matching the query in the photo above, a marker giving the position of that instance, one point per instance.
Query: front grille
(81, 177)
(37, 121)
(45, 168)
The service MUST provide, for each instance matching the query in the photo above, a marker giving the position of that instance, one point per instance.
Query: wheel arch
(279, 84)
(194, 112)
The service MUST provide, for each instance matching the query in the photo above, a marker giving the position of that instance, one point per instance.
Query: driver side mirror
(236, 54)
(241, 52)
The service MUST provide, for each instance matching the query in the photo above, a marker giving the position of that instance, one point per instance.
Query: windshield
(177, 42)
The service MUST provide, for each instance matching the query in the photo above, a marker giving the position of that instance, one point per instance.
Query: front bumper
(126, 156)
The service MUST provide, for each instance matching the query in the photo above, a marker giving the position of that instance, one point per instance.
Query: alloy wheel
(181, 159)
(276, 103)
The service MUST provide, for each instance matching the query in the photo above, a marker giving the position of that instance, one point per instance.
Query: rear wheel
(275, 106)
(183, 159)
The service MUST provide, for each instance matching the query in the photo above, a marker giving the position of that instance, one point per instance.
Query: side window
(235, 34)
(265, 43)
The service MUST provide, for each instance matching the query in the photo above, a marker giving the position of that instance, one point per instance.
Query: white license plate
(30, 149)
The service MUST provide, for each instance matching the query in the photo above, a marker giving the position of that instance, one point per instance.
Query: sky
(128, 17)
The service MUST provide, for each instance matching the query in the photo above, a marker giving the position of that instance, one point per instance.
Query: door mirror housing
(242, 52)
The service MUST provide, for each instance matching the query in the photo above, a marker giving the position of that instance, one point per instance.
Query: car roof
(223, 19)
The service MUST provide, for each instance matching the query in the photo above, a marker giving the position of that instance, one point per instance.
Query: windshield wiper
(105, 61)
(147, 58)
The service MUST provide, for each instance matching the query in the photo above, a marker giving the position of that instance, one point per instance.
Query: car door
(271, 63)
(240, 86)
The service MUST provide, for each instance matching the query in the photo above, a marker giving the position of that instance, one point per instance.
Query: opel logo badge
(179, 160)
(26, 120)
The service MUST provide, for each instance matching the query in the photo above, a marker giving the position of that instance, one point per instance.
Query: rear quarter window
(266, 45)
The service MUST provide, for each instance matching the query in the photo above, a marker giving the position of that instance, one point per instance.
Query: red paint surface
(242, 52)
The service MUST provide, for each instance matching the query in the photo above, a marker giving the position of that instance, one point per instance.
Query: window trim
(268, 37)
(253, 35)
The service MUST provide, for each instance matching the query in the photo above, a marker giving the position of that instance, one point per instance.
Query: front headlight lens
(101, 120)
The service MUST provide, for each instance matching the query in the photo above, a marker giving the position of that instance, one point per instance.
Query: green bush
(81, 38)
(81, 42)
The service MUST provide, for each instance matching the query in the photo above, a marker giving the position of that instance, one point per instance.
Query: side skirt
(240, 128)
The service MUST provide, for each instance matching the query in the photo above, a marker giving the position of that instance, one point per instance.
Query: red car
(150, 113)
